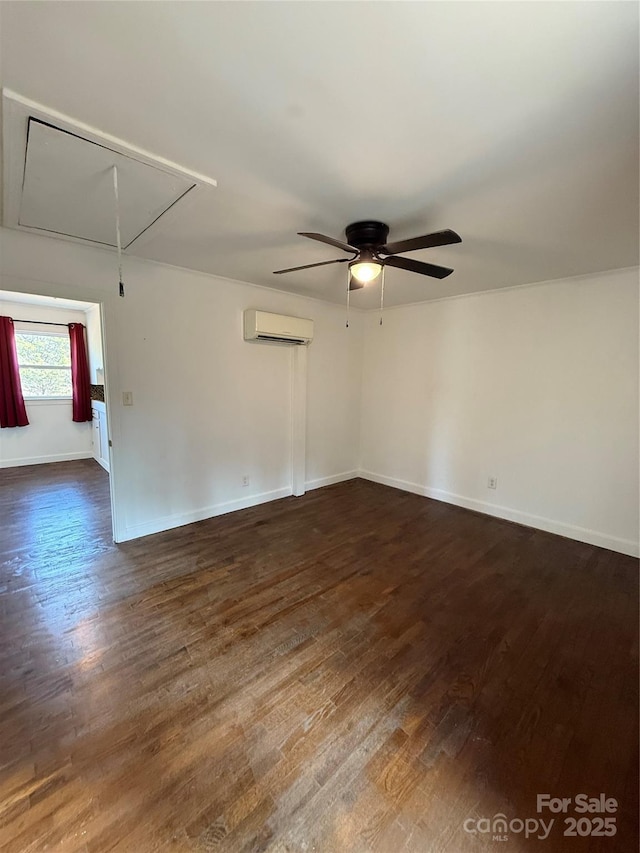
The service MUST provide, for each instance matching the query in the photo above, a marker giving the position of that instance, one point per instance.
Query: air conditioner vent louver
(276, 338)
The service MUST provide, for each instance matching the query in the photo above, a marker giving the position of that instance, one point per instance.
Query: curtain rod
(42, 322)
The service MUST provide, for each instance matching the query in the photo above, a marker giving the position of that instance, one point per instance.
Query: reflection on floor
(359, 669)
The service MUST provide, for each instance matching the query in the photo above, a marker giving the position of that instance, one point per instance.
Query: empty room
(319, 445)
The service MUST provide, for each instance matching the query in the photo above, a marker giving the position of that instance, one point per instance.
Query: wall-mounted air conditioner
(263, 326)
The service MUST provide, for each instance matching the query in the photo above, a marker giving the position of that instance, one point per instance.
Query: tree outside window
(45, 364)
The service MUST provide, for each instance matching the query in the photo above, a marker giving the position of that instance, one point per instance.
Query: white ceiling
(516, 124)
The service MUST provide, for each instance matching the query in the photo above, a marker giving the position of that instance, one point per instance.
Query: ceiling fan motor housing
(367, 234)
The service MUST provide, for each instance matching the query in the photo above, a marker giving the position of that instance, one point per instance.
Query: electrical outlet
(127, 398)
(492, 483)
(245, 479)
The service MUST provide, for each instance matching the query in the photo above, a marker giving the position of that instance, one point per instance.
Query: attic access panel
(68, 188)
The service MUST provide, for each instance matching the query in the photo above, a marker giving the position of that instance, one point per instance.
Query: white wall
(94, 345)
(51, 436)
(535, 385)
(208, 407)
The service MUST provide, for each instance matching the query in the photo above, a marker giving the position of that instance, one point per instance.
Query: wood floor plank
(357, 670)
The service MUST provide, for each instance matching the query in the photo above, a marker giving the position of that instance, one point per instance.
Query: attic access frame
(18, 113)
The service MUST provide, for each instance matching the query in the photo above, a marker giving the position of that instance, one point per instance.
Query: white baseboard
(329, 481)
(101, 463)
(581, 534)
(43, 460)
(168, 522)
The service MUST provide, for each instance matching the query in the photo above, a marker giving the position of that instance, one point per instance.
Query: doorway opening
(56, 470)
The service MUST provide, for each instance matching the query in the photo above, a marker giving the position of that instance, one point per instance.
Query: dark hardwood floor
(360, 669)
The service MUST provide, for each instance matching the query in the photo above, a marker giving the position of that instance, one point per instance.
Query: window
(45, 364)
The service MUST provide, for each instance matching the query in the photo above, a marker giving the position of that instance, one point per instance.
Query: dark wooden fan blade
(308, 266)
(427, 241)
(330, 240)
(418, 266)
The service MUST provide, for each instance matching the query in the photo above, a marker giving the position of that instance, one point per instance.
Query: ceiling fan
(368, 243)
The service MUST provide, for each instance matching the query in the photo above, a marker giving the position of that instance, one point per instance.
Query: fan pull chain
(348, 293)
(381, 293)
(118, 239)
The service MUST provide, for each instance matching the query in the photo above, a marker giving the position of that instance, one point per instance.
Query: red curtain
(12, 410)
(79, 374)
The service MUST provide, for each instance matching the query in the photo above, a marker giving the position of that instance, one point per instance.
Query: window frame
(45, 398)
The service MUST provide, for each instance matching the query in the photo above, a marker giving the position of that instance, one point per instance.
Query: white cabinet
(95, 433)
(100, 434)
(104, 441)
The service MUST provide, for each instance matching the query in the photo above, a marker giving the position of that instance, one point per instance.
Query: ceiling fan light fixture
(367, 240)
(365, 271)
